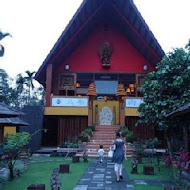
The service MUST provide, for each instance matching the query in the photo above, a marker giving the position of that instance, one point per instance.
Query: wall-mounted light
(145, 67)
(66, 67)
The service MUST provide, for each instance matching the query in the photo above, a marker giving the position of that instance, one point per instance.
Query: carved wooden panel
(67, 82)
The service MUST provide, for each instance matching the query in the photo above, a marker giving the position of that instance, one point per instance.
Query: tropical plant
(2, 49)
(12, 149)
(68, 144)
(182, 161)
(92, 127)
(165, 90)
(84, 136)
(129, 135)
(89, 131)
(6, 91)
(28, 81)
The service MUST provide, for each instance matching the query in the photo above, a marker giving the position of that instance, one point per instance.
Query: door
(105, 112)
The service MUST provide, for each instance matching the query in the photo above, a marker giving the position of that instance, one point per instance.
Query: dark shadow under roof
(180, 111)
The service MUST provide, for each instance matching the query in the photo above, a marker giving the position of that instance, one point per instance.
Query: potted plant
(92, 127)
(84, 136)
(129, 136)
(89, 131)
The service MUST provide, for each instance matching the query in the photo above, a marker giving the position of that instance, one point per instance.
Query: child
(101, 153)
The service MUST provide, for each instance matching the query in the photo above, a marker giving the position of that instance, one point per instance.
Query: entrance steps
(103, 135)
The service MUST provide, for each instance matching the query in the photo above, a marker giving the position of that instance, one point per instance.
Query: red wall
(125, 58)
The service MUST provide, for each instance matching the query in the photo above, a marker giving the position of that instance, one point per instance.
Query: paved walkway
(102, 177)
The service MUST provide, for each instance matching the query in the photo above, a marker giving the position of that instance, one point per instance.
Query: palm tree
(29, 82)
(20, 83)
(2, 49)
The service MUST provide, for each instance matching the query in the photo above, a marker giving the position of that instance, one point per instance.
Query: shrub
(84, 136)
(92, 127)
(68, 144)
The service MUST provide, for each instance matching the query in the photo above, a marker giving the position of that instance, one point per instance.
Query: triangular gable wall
(125, 57)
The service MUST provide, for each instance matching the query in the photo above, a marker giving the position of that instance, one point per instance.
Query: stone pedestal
(148, 170)
(64, 168)
(36, 187)
(75, 159)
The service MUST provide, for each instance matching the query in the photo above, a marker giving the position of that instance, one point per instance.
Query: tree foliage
(2, 49)
(15, 92)
(12, 149)
(166, 89)
(25, 81)
(17, 140)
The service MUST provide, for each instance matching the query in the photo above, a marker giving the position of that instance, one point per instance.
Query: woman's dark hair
(101, 146)
(118, 134)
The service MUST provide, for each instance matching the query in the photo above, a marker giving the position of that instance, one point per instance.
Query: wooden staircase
(103, 135)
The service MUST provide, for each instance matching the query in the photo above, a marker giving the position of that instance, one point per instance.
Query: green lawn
(164, 172)
(148, 187)
(41, 171)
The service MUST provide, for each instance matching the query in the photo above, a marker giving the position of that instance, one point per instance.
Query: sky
(35, 26)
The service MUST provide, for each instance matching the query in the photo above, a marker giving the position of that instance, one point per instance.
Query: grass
(163, 174)
(40, 172)
(148, 187)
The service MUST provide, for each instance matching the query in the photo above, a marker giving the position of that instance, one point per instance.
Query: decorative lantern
(121, 90)
(77, 84)
(92, 90)
(128, 90)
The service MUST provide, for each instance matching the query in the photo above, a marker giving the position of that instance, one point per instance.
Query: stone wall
(34, 116)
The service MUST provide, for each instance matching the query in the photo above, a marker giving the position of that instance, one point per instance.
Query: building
(94, 72)
(10, 121)
(182, 114)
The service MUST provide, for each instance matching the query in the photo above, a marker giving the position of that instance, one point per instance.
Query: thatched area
(8, 111)
(13, 121)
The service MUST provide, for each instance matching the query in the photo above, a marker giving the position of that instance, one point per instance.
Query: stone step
(102, 138)
(107, 131)
(101, 142)
(103, 132)
(103, 135)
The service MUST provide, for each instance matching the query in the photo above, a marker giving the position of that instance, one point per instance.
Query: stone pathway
(102, 177)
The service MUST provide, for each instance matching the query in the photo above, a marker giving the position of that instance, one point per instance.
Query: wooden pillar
(122, 113)
(90, 112)
(122, 117)
(48, 85)
(186, 136)
(1, 133)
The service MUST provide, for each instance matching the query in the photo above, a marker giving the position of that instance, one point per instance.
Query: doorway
(106, 112)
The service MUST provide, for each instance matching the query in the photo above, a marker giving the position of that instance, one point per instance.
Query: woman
(118, 155)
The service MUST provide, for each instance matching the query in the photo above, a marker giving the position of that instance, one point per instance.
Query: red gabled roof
(121, 13)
